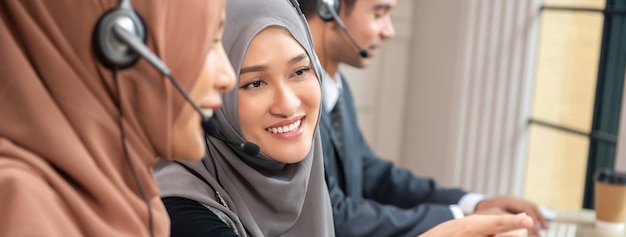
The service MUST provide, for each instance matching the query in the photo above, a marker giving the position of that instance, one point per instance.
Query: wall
(432, 98)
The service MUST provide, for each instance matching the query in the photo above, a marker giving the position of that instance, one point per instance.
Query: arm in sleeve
(469, 201)
(385, 183)
(364, 217)
(190, 218)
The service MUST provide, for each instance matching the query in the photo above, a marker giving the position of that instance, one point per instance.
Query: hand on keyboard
(514, 205)
(480, 226)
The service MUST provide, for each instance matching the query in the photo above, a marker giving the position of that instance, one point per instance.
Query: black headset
(109, 48)
(118, 40)
(328, 10)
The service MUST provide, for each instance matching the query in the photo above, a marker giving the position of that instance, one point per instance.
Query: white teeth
(287, 128)
(207, 112)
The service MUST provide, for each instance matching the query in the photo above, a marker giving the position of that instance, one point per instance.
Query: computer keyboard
(558, 229)
(548, 213)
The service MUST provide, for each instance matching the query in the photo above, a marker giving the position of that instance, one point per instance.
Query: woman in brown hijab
(77, 138)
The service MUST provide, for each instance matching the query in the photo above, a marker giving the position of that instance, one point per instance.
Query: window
(577, 99)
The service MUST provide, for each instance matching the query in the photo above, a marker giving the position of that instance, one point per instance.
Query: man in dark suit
(370, 196)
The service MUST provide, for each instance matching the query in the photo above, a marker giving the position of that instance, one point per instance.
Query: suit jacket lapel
(327, 125)
(354, 168)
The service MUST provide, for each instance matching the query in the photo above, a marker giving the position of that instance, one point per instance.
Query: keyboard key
(557, 229)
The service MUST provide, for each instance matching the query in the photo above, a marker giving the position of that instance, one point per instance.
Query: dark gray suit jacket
(370, 196)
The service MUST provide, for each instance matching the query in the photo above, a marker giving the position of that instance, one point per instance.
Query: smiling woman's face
(279, 96)
(216, 76)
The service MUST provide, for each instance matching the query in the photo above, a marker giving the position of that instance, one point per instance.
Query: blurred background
(518, 97)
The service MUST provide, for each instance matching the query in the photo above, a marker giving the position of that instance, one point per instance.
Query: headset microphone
(247, 147)
(211, 127)
(362, 51)
(250, 148)
(327, 10)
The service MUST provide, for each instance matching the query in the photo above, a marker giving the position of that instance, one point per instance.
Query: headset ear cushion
(110, 51)
(325, 6)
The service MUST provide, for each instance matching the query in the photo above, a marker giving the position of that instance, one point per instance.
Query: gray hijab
(258, 195)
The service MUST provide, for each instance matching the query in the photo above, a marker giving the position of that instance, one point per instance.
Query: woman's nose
(225, 77)
(286, 102)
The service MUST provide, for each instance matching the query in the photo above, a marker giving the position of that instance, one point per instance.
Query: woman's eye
(302, 71)
(252, 85)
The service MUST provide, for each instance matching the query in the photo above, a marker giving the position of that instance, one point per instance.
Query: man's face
(369, 22)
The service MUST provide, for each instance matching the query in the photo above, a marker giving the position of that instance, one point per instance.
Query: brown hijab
(63, 171)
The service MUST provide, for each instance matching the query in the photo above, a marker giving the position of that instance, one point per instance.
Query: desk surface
(584, 221)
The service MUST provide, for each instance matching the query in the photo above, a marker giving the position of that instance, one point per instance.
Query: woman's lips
(287, 130)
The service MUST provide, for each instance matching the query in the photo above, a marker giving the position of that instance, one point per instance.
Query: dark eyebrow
(258, 68)
(298, 58)
(383, 6)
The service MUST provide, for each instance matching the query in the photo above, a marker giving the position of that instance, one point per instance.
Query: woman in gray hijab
(281, 190)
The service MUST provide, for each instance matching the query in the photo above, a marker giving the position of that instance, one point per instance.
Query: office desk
(584, 221)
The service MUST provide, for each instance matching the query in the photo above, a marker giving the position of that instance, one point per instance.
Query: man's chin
(361, 63)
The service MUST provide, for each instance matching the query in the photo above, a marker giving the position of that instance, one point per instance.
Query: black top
(190, 218)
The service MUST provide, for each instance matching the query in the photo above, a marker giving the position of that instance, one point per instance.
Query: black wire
(217, 176)
(126, 154)
(206, 143)
(218, 197)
